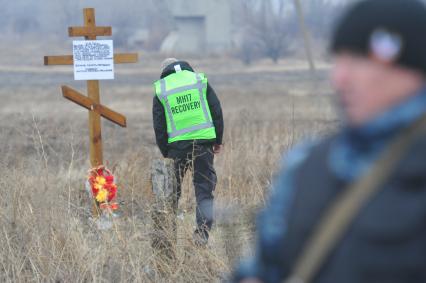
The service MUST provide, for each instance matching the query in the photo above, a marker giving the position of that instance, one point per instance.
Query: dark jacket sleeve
(216, 111)
(160, 125)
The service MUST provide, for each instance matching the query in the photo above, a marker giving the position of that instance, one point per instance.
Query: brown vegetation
(46, 233)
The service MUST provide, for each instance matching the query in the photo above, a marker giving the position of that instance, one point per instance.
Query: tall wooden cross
(92, 102)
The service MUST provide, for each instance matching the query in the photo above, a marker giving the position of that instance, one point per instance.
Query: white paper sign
(93, 59)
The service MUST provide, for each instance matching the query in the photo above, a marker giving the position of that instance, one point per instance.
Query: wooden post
(96, 155)
(164, 210)
(306, 37)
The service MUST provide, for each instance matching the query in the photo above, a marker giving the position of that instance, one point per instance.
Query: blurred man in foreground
(188, 126)
(379, 74)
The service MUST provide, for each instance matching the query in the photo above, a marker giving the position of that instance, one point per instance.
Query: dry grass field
(46, 234)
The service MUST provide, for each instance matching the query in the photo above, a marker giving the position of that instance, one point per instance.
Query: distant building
(200, 26)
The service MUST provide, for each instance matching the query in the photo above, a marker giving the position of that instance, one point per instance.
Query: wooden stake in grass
(164, 186)
(92, 102)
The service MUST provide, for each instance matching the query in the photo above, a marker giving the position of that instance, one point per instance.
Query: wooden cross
(92, 102)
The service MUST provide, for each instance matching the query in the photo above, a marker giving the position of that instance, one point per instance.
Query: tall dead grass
(46, 234)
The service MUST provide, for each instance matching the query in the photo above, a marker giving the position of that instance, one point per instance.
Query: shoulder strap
(339, 216)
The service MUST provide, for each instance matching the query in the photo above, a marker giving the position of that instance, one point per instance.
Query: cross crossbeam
(89, 104)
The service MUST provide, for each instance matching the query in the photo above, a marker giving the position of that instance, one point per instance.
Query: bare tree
(250, 44)
(273, 29)
(321, 14)
(267, 29)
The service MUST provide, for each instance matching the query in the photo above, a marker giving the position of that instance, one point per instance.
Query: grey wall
(202, 25)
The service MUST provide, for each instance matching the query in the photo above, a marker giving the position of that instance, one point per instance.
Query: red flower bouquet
(103, 188)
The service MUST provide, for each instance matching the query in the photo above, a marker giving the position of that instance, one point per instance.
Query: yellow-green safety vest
(184, 97)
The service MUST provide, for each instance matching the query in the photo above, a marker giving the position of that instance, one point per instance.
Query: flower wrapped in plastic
(103, 188)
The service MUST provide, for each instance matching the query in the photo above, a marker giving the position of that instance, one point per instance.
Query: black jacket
(160, 124)
(386, 241)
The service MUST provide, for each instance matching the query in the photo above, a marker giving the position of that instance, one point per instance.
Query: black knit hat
(393, 30)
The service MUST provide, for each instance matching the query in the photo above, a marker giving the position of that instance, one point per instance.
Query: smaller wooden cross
(92, 102)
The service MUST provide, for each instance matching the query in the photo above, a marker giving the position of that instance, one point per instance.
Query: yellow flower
(98, 186)
(102, 195)
(100, 180)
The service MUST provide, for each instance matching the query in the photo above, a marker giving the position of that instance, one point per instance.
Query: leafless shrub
(266, 30)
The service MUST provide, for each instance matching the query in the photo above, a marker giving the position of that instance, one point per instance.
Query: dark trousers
(199, 158)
